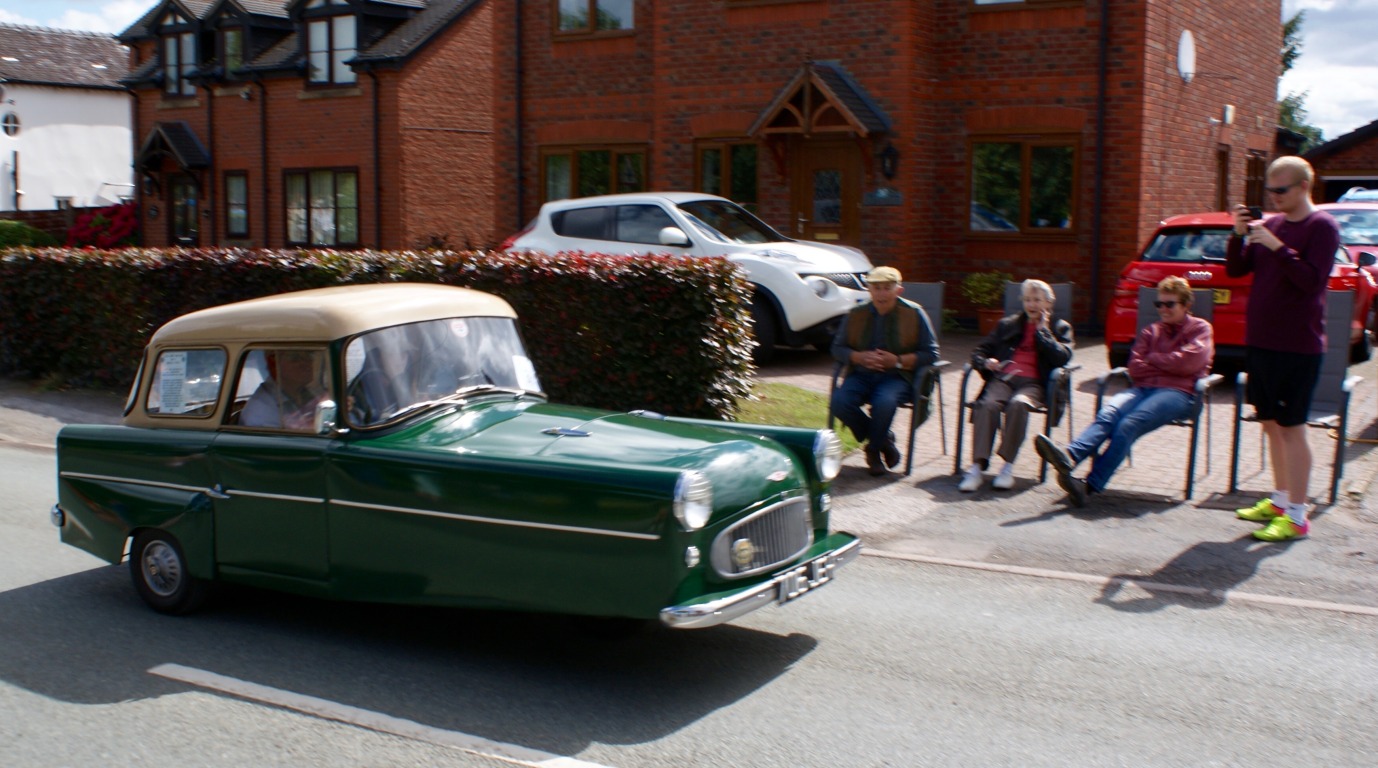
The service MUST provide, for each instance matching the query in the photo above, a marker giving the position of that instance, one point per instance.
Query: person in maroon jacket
(1284, 332)
(1164, 364)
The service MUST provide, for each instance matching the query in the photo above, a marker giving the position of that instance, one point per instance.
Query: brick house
(1346, 161)
(1041, 137)
(942, 137)
(336, 123)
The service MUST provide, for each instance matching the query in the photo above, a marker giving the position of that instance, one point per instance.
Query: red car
(1193, 246)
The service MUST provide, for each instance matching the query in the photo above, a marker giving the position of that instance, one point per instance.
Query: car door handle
(217, 492)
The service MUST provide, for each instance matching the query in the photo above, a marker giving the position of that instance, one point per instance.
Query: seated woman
(288, 397)
(1014, 360)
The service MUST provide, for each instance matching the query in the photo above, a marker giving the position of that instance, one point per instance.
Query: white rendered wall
(72, 142)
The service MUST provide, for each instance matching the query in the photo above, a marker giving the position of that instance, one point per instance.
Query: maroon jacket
(1166, 355)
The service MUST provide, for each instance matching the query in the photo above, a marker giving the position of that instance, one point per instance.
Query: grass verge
(789, 406)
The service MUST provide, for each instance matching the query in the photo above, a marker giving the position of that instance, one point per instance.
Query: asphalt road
(897, 663)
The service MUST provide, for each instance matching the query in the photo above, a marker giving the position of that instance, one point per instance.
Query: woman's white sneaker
(972, 480)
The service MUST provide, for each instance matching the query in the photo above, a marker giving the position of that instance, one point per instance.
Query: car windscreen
(1357, 227)
(1188, 245)
(398, 369)
(728, 222)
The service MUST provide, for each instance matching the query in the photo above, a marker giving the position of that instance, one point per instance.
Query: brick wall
(54, 222)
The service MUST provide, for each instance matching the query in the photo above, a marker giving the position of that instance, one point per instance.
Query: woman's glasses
(1168, 304)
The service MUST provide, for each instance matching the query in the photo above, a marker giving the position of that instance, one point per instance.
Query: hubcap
(162, 569)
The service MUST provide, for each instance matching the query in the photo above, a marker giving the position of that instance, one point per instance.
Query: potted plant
(986, 291)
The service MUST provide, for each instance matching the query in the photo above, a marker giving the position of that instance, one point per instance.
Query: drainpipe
(209, 194)
(1098, 205)
(263, 154)
(520, 116)
(377, 165)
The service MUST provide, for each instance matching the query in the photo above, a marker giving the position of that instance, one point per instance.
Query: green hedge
(17, 233)
(610, 332)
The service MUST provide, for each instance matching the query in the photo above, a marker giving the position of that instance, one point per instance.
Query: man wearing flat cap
(880, 345)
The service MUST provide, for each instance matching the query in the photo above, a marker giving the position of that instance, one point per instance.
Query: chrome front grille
(764, 540)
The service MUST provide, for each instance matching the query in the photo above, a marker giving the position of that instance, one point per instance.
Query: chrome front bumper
(817, 570)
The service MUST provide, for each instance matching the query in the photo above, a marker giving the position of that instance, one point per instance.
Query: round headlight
(693, 500)
(827, 454)
(822, 287)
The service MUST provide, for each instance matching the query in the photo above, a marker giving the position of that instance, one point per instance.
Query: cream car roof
(326, 314)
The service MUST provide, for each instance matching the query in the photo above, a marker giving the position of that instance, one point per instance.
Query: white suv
(801, 289)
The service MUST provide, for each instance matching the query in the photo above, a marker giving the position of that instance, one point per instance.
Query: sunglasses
(1281, 190)
(1168, 304)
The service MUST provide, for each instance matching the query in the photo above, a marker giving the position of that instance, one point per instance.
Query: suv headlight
(693, 500)
(827, 454)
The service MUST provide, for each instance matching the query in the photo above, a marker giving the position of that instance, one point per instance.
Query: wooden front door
(826, 191)
(183, 223)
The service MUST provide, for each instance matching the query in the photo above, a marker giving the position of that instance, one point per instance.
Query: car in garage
(1193, 246)
(391, 443)
(800, 289)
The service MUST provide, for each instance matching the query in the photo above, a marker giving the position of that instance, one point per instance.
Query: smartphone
(1255, 212)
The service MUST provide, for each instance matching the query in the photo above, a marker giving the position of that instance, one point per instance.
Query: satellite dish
(1186, 56)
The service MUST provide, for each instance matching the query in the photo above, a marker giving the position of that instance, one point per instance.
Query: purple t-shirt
(1287, 301)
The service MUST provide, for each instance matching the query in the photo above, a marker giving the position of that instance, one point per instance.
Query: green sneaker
(1282, 529)
(1262, 512)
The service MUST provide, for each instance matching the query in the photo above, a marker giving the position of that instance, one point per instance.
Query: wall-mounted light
(152, 211)
(889, 161)
(246, 93)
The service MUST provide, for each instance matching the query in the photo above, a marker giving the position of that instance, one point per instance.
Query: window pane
(188, 46)
(594, 173)
(581, 222)
(322, 189)
(347, 207)
(318, 58)
(296, 208)
(345, 43)
(236, 205)
(347, 190)
(744, 174)
(827, 197)
(614, 14)
(186, 382)
(631, 172)
(641, 223)
(347, 226)
(574, 15)
(170, 59)
(557, 177)
(1050, 187)
(710, 171)
(995, 179)
(234, 50)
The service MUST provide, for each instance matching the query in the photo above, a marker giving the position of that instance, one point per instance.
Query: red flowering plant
(110, 227)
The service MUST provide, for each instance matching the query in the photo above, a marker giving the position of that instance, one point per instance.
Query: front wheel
(160, 573)
(765, 329)
(1361, 350)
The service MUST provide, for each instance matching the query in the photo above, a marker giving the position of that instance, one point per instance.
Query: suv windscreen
(728, 222)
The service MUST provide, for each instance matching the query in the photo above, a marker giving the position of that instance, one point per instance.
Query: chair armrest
(1240, 382)
(967, 370)
(1204, 383)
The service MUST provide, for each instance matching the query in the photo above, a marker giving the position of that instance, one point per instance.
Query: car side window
(641, 223)
(280, 389)
(586, 223)
(186, 383)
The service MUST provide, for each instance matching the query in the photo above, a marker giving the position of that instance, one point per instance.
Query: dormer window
(331, 39)
(179, 55)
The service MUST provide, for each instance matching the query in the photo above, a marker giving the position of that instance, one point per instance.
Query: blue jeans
(1125, 418)
(885, 391)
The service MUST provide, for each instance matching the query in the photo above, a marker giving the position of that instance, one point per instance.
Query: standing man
(1015, 361)
(880, 345)
(1290, 257)
(1167, 359)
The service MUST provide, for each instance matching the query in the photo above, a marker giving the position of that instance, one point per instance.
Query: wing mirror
(1367, 259)
(674, 236)
(326, 417)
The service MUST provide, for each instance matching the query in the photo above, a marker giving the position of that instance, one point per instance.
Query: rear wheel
(160, 573)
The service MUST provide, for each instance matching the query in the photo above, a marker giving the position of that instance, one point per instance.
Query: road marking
(1222, 595)
(363, 718)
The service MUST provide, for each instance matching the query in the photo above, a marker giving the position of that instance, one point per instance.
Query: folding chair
(1057, 391)
(926, 378)
(1330, 399)
(1203, 307)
